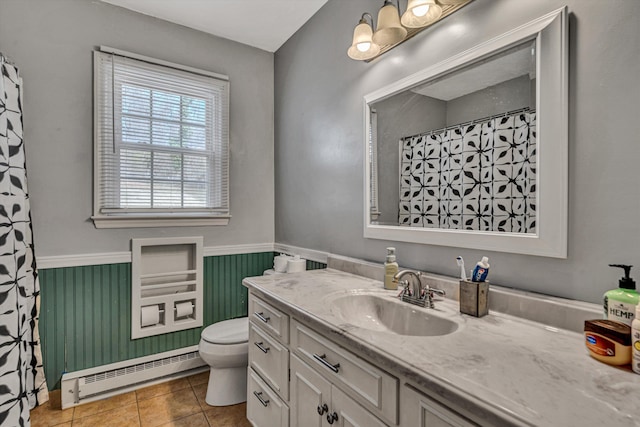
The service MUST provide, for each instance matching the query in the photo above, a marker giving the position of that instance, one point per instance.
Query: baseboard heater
(109, 380)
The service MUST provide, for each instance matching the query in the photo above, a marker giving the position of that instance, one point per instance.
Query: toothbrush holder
(474, 298)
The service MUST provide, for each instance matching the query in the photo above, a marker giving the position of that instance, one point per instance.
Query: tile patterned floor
(177, 403)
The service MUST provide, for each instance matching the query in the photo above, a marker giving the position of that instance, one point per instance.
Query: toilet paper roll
(280, 263)
(184, 309)
(149, 315)
(296, 265)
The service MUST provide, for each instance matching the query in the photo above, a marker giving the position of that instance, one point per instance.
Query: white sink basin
(383, 313)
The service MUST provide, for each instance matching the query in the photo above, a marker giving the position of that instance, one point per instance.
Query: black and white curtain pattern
(478, 176)
(22, 381)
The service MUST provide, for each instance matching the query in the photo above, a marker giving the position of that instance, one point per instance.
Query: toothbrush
(460, 261)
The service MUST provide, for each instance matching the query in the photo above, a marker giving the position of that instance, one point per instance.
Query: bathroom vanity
(328, 347)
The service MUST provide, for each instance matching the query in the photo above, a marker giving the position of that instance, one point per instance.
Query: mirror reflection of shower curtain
(476, 176)
(23, 385)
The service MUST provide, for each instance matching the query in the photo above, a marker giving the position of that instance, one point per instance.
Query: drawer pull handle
(322, 360)
(259, 396)
(331, 418)
(322, 409)
(261, 316)
(262, 349)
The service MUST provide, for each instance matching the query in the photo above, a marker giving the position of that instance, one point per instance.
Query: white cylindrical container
(635, 341)
(296, 265)
(280, 263)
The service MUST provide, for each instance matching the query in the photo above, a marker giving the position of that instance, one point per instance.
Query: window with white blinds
(161, 141)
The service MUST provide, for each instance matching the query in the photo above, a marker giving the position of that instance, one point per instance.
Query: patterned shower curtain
(475, 176)
(22, 381)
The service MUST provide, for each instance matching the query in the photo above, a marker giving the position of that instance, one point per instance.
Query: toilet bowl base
(227, 386)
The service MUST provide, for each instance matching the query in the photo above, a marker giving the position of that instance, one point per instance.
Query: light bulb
(420, 10)
(363, 47)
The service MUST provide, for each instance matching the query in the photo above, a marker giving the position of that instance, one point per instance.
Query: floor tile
(105, 405)
(197, 379)
(168, 407)
(162, 388)
(185, 407)
(201, 395)
(195, 420)
(228, 416)
(49, 413)
(126, 416)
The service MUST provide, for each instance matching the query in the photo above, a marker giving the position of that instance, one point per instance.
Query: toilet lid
(232, 331)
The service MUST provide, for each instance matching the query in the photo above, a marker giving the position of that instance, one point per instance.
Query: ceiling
(265, 24)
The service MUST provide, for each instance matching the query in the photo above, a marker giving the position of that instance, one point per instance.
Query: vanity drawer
(270, 359)
(372, 387)
(264, 407)
(269, 318)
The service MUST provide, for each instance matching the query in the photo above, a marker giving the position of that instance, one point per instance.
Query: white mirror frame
(551, 35)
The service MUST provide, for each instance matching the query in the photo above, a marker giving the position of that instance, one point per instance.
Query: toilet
(223, 346)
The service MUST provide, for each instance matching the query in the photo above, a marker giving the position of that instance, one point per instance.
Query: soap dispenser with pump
(620, 304)
(390, 270)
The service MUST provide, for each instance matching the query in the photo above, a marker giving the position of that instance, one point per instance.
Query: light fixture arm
(386, 2)
(363, 20)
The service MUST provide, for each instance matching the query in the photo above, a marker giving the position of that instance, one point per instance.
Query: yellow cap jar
(608, 341)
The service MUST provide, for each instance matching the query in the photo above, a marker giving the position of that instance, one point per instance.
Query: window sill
(145, 221)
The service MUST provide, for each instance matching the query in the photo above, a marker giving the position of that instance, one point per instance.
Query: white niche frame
(550, 33)
(166, 272)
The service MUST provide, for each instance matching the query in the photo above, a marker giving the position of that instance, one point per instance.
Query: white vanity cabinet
(300, 378)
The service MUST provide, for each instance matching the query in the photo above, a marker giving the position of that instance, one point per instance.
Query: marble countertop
(504, 369)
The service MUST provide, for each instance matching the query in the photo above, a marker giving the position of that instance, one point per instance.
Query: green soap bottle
(620, 304)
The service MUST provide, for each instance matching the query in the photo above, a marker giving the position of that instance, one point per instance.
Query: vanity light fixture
(369, 42)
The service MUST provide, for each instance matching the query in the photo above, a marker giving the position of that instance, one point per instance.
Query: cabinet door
(348, 413)
(309, 391)
(418, 410)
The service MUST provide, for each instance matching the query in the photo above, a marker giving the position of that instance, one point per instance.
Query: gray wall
(401, 115)
(319, 138)
(52, 41)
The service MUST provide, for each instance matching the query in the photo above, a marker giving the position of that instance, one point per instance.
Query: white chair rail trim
(120, 257)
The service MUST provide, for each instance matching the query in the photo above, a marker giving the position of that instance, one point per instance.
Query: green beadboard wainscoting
(85, 312)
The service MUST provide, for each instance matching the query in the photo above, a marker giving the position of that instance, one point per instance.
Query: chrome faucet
(417, 284)
(416, 291)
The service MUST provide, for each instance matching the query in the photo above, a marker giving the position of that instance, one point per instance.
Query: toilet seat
(227, 332)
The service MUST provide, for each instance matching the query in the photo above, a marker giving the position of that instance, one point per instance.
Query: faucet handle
(439, 292)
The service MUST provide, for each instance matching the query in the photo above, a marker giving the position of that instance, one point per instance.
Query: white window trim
(168, 219)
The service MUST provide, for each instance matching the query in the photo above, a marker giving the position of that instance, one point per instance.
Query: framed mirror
(473, 151)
